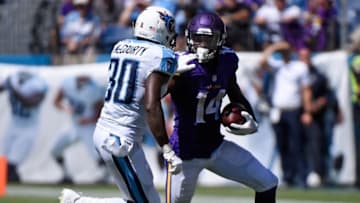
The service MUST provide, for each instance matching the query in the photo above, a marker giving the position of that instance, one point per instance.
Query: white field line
(54, 192)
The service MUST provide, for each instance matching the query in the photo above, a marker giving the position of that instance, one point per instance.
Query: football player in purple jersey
(197, 97)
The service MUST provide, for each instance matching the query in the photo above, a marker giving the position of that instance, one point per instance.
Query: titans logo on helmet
(169, 21)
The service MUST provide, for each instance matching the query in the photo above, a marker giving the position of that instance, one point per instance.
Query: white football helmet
(156, 24)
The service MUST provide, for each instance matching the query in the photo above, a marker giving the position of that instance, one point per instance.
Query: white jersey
(82, 99)
(132, 61)
(27, 85)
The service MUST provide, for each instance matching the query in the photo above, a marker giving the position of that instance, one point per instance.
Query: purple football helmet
(205, 35)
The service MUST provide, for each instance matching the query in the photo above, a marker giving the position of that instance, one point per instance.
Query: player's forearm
(156, 122)
(235, 95)
(61, 106)
(153, 107)
(247, 105)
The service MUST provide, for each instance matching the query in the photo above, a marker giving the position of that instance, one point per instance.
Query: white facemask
(204, 54)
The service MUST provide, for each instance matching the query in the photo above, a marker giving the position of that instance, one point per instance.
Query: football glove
(117, 146)
(248, 127)
(174, 161)
(184, 62)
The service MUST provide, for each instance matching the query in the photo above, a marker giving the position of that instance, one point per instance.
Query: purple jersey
(196, 98)
(294, 34)
(316, 30)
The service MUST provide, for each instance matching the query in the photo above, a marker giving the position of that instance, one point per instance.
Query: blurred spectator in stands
(317, 132)
(290, 100)
(43, 19)
(26, 92)
(237, 18)
(300, 3)
(109, 12)
(66, 7)
(253, 4)
(355, 98)
(291, 24)
(267, 20)
(171, 5)
(62, 9)
(353, 14)
(256, 31)
(354, 71)
(280, 21)
(79, 33)
(132, 9)
(321, 30)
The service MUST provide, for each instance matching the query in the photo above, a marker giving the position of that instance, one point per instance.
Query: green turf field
(49, 193)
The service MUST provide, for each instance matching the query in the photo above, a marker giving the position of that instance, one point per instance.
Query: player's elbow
(150, 108)
(153, 108)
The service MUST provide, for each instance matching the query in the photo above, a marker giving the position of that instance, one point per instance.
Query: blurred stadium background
(30, 39)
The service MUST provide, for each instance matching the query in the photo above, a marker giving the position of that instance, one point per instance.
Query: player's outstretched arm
(154, 111)
(58, 101)
(155, 118)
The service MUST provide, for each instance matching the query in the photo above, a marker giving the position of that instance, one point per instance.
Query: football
(231, 113)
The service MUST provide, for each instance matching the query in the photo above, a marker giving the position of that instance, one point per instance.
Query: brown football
(231, 113)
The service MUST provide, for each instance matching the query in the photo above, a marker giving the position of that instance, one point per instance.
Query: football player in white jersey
(138, 75)
(26, 91)
(82, 97)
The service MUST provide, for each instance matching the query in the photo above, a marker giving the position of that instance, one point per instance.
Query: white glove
(174, 161)
(248, 127)
(184, 62)
(117, 146)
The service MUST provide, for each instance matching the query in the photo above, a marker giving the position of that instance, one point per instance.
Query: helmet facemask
(171, 42)
(204, 45)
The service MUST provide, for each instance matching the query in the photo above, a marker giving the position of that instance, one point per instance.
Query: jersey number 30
(121, 88)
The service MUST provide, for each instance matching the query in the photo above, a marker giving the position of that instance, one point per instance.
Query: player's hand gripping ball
(231, 113)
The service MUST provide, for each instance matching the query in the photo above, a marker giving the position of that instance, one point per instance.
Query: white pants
(132, 173)
(74, 134)
(19, 141)
(230, 161)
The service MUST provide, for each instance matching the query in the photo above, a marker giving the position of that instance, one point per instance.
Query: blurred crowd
(88, 27)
